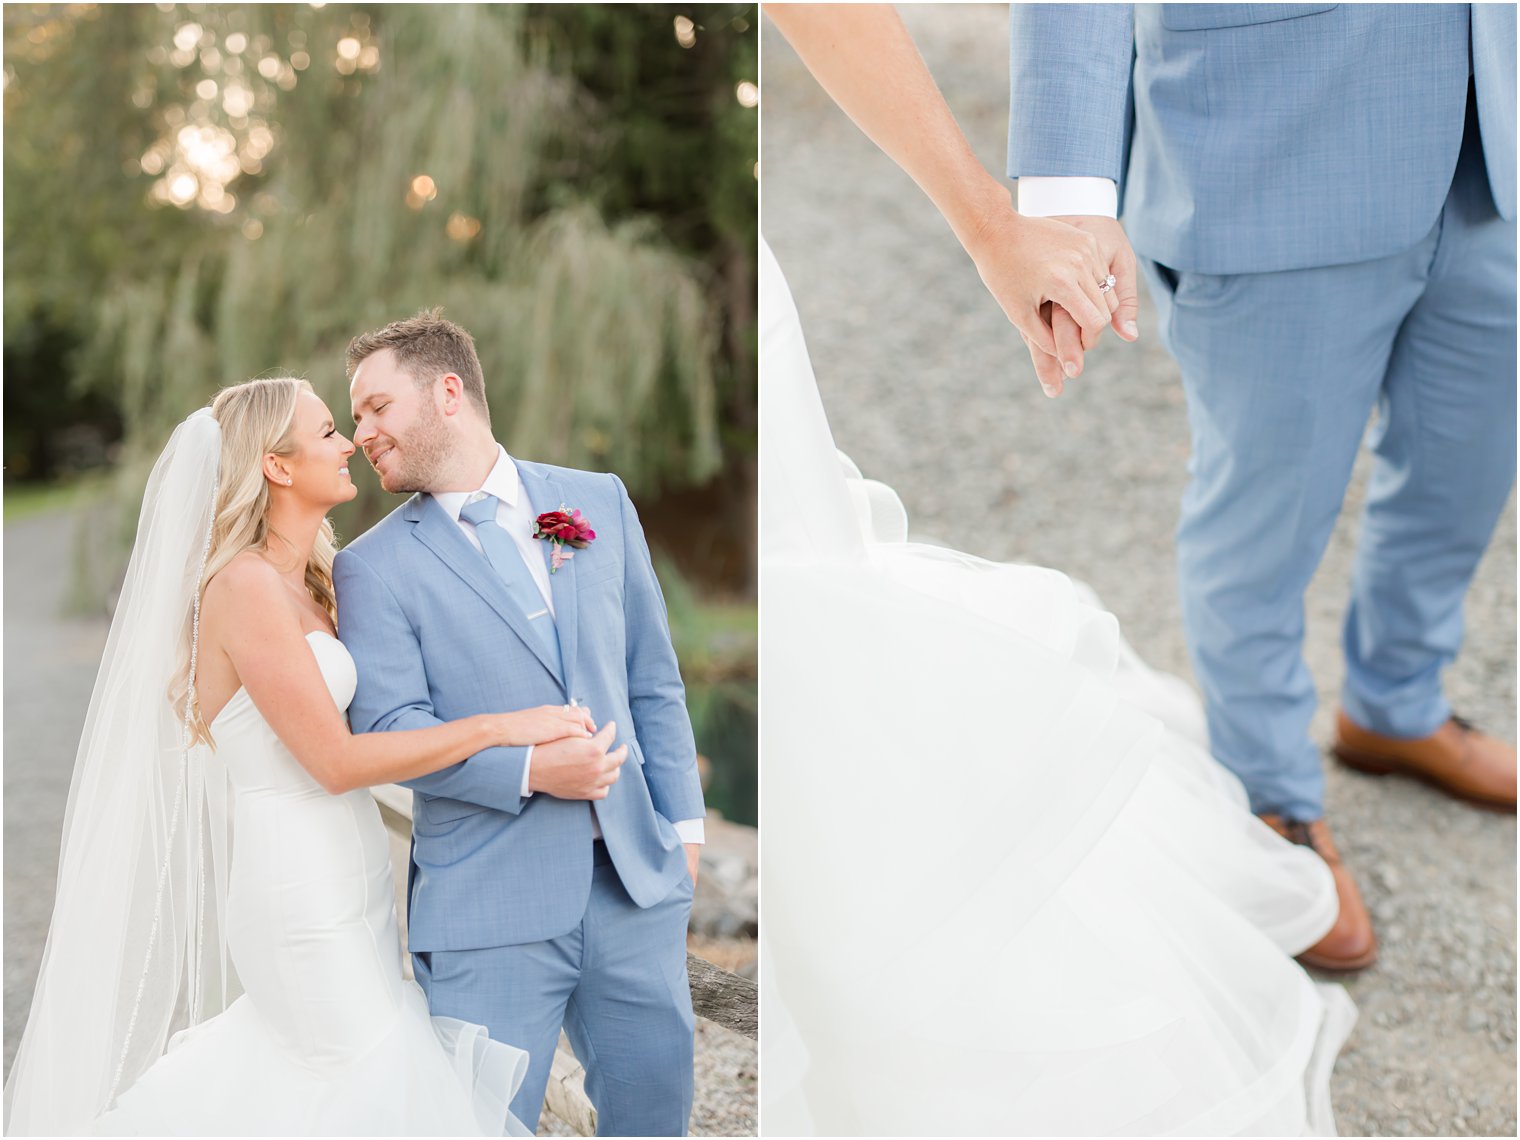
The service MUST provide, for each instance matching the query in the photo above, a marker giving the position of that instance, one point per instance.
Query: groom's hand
(693, 860)
(577, 768)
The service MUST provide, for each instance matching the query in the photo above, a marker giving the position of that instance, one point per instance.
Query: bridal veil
(136, 949)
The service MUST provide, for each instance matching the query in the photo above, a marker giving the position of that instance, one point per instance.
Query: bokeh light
(219, 102)
(462, 228)
(422, 191)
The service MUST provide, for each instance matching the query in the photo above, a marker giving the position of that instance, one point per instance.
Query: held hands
(1027, 262)
(1071, 337)
(545, 723)
(1046, 274)
(577, 767)
(1114, 250)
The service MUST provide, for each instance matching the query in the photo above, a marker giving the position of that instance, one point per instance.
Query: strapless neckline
(242, 690)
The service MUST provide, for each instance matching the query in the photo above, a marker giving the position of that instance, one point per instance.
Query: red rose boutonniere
(563, 528)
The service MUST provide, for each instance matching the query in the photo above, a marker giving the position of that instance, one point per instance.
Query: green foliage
(717, 645)
(586, 234)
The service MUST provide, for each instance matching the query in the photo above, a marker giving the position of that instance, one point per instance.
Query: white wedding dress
(1006, 889)
(329, 1038)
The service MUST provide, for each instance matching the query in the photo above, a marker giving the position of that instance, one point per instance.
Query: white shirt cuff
(1049, 197)
(690, 830)
(527, 765)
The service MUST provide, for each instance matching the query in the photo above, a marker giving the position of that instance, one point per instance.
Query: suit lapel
(545, 493)
(442, 536)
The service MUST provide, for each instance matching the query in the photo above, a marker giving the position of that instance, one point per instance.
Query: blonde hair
(257, 418)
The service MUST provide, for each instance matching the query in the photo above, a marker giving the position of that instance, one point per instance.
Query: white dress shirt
(1045, 197)
(514, 514)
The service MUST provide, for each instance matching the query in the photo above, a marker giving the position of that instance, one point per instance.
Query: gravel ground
(930, 390)
(50, 665)
(727, 1096)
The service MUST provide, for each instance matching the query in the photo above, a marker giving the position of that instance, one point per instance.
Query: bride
(1041, 907)
(224, 872)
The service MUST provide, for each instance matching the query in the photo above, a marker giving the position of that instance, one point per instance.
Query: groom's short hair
(427, 346)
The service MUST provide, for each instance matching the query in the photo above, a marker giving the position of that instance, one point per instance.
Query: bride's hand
(543, 724)
(1028, 262)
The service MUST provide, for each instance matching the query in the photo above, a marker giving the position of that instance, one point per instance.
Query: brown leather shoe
(1351, 944)
(1456, 758)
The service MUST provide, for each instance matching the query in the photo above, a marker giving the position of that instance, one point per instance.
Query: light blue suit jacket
(1251, 138)
(436, 636)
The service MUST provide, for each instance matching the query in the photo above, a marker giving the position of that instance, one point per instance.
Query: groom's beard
(417, 456)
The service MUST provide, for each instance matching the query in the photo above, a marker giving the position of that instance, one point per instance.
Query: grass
(715, 640)
(27, 500)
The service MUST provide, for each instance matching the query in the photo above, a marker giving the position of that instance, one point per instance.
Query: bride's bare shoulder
(246, 585)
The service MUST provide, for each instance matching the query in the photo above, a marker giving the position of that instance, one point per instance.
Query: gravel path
(50, 666)
(930, 390)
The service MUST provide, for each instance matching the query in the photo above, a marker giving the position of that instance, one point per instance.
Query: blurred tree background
(200, 193)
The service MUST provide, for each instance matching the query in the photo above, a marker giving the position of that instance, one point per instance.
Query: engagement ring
(1107, 283)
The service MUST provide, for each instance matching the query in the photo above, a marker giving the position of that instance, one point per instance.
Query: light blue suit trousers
(1323, 199)
(1282, 371)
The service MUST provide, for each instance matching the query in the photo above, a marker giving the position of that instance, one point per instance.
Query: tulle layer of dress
(1034, 904)
(427, 1076)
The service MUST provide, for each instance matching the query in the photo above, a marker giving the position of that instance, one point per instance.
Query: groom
(1323, 199)
(549, 886)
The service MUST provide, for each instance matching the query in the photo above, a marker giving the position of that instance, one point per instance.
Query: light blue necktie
(502, 553)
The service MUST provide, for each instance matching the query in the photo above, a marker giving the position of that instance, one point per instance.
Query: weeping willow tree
(204, 193)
